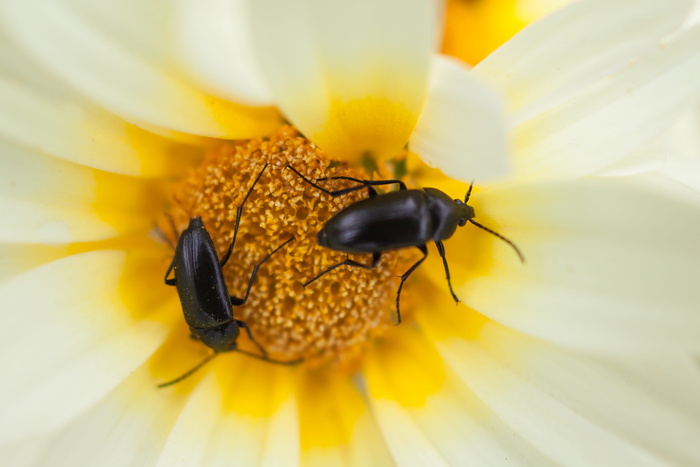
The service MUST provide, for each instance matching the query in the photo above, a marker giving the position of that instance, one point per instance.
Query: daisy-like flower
(114, 115)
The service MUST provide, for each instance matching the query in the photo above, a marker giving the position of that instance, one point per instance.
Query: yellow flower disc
(331, 320)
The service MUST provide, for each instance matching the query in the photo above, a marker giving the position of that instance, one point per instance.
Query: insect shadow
(204, 296)
(393, 220)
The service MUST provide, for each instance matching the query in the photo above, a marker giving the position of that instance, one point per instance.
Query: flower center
(329, 321)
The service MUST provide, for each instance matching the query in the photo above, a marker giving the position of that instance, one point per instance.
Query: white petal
(216, 49)
(119, 55)
(282, 441)
(53, 201)
(610, 263)
(220, 425)
(462, 129)
(191, 437)
(428, 417)
(17, 258)
(614, 118)
(681, 148)
(43, 114)
(604, 390)
(562, 432)
(577, 45)
(26, 453)
(694, 17)
(351, 76)
(75, 337)
(532, 10)
(609, 393)
(405, 439)
(350, 436)
(129, 427)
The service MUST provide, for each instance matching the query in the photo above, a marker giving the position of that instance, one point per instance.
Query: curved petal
(578, 45)
(82, 339)
(462, 129)
(16, 258)
(351, 76)
(252, 421)
(53, 201)
(610, 263)
(216, 50)
(23, 453)
(605, 390)
(681, 148)
(614, 118)
(577, 407)
(429, 417)
(347, 437)
(117, 54)
(129, 427)
(532, 10)
(404, 371)
(43, 114)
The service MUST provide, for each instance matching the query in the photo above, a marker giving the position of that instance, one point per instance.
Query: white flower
(585, 355)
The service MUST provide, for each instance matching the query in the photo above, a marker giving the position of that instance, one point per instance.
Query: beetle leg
(172, 263)
(239, 213)
(240, 301)
(318, 187)
(329, 192)
(241, 324)
(172, 226)
(363, 183)
(441, 250)
(375, 259)
(172, 281)
(268, 359)
(424, 249)
(162, 236)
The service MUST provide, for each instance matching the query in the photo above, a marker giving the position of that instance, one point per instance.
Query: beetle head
(464, 212)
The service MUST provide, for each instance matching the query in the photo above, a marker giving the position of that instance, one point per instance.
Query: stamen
(330, 321)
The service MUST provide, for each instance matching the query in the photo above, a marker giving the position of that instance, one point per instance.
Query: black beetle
(206, 302)
(393, 220)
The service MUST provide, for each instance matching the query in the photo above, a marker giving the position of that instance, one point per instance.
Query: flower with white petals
(584, 355)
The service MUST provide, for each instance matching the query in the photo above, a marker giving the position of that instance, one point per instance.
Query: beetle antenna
(239, 214)
(182, 206)
(469, 192)
(517, 250)
(189, 373)
(172, 224)
(162, 235)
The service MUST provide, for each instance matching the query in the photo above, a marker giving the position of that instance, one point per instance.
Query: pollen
(330, 321)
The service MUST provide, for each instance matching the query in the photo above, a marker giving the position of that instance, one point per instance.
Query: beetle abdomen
(394, 220)
(201, 285)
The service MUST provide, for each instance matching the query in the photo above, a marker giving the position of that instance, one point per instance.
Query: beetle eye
(462, 221)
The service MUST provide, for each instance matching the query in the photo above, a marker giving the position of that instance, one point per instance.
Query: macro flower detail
(288, 319)
(118, 114)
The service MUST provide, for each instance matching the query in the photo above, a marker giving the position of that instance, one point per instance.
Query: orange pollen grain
(331, 321)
